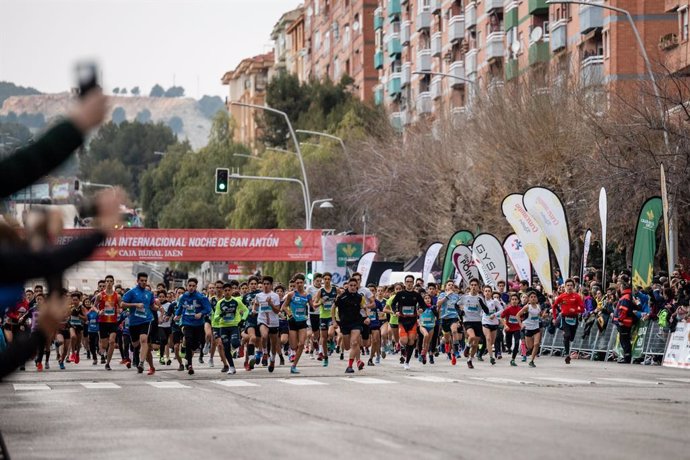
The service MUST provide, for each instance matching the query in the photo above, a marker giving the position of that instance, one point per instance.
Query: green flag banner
(460, 237)
(645, 242)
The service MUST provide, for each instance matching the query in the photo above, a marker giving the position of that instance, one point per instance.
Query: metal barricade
(655, 342)
(557, 347)
(604, 341)
(547, 339)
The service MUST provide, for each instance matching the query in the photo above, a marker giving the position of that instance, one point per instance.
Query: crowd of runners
(258, 322)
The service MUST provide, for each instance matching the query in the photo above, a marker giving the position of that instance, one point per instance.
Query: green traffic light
(221, 186)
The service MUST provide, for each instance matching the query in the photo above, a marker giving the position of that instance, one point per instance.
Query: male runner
(325, 298)
(251, 326)
(405, 305)
(297, 303)
(571, 305)
(347, 309)
(471, 305)
(107, 301)
(268, 304)
(226, 318)
(192, 307)
(450, 320)
(141, 304)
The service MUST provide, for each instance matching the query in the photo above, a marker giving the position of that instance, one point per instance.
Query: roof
(250, 65)
(285, 20)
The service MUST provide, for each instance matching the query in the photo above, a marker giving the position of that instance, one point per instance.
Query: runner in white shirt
(314, 323)
(471, 306)
(268, 305)
(490, 319)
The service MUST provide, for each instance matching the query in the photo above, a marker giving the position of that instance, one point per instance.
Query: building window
(317, 40)
(605, 40)
(336, 69)
(346, 34)
(683, 16)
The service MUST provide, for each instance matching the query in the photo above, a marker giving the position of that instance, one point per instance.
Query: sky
(189, 43)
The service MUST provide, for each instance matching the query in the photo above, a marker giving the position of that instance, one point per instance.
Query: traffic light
(222, 180)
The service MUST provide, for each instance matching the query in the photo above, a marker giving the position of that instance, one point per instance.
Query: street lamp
(441, 74)
(326, 203)
(673, 249)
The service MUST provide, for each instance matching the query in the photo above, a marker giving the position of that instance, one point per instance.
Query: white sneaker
(232, 371)
(210, 362)
(406, 367)
(207, 348)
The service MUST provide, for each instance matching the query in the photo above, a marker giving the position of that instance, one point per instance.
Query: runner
(347, 310)
(385, 331)
(165, 315)
(427, 323)
(77, 317)
(176, 328)
(251, 326)
(226, 319)
(141, 305)
(315, 317)
(571, 305)
(512, 328)
(405, 305)
(375, 328)
(283, 326)
(107, 302)
(490, 320)
(394, 321)
(297, 304)
(192, 307)
(92, 330)
(471, 305)
(268, 304)
(450, 320)
(325, 298)
(531, 325)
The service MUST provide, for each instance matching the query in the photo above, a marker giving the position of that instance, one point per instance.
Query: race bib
(512, 320)
(75, 321)
(109, 311)
(408, 311)
(140, 313)
(327, 305)
(229, 316)
(534, 318)
(264, 307)
(190, 310)
(570, 321)
(472, 308)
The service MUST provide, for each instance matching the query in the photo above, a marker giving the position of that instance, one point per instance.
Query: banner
(461, 237)
(464, 265)
(532, 237)
(338, 250)
(678, 348)
(138, 244)
(429, 258)
(385, 278)
(490, 259)
(645, 242)
(518, 257)
(638, 334)
(664, 200)
(603, 217)
(585, 254)
(547, 210)
(364, 266)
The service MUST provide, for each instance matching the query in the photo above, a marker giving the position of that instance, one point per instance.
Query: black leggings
(193, 337)
(93, 344)
(569, 332)
(514, 338)
(40, 348)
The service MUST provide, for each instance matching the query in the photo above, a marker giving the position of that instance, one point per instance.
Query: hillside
(195, 126)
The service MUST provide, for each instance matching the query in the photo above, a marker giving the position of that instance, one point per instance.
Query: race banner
(385, 278)
(364, 266)
(585, 254)
(678, 348)
(638, 334)
(664, 200)
(603, 217)
(547, 210)
(138, 244)
(464, 265)
(518, 257)
(532, 237)
(645, 242)
(339, 250)
(429, 258)
(461, 237)
(490, 259)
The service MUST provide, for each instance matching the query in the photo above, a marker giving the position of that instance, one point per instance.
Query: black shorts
(532, 333)
(78, 328)
(138, 330)
(375, 327)
(251, 322)
(64, 333)
(475, 326)
(153, 332)
(315, 321)
(164, 334)
(366, 332)
(491, 327)
(408, 324)
(346, 328)
(283, 326)
(325, 323)
(194, 336)
(296, 325)
(394, 326)
(105, 329)
(177, 336)
(446, 323)
(207, 319)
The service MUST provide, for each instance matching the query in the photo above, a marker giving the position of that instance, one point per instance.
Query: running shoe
(140, 368)
(128, 364)
(95, 362)
(360, 365)
(168, 362)
(370, 362)
(225, 369)
(453, 360)
(102, 359)
(466, 352)
(76, 358)
(349, 370)
(423, 358)
(492, 360)
(293, 370)
(190, 370)
(181, 367)
(161, 360)
(251, 363)
(512, 362)
(232, 371)
(406, 366)
(402, 360)
(107, 367)
(324, 363)
(151, 371)
(524, 359)
(282, 360)
(431, 359)
(342, 356)
(271, 366)
(240, 354)
(210, 362)
(469, 364)
(531, 364)
(320, 357)
(567, 359)
(479, 357)
(39, 367)
(264, 360)
(378, 360)
(47, 366)
(201, 359)
(383, 354)
(62, 365)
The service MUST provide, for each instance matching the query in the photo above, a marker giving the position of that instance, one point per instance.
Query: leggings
(569, 332)
(193, 337)
(514, 338)
(40, 349)
(93, 344)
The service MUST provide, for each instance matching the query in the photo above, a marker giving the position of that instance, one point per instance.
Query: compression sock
(409, 350)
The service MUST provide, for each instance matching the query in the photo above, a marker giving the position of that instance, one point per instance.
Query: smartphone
(87, 77)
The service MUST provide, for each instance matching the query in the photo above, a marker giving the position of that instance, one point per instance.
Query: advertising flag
(603, 216)
(667, 223)
(461, 237)
(364, 265)
(518, 257)
(488, 256)
(645, 242)
(585, 253)
(464, 265)
(429, 258)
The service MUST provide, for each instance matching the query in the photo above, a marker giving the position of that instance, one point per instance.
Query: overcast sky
(136, 42)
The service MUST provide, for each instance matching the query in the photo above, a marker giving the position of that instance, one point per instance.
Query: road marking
(432, 379)
(680, 380)
(387, 443)
(632, 381)
(30, 386)
(301, 381)
(168, 385)
(367, 380)
(503, 380)
(234, 383)
(569, 381)
(100, 385)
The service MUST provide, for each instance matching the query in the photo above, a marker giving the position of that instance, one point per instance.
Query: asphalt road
(585, 410)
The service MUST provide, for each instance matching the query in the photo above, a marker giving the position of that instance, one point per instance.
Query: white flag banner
(385, 278)
(364, 265)
(547, 210)
(429, 258)
(585, 254)
(667, 223)
(518, 257)
(490, 259)
(603, 216)
(464, 265)
(532, 237)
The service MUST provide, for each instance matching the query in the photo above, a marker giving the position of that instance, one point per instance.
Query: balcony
(378, 19)
(471, 15)
(591, 17)
(394, 8)
(668, 42)
(510, 14)
(436, 45)
(436, 6)
(378, 95)
(424, 103)
(512, 69)
(423, 20)
(405, 32)
(558, 35)
(457, 70)
(491, 5)
(471, 61)
(397, 120)
(592, 71)
(378, 59)
(436, 87)
(538, 52)
(537, 7)
(394, 84)
(456, 28)
(405, 74)
(495, 48)
(424, 60)
(394, 46)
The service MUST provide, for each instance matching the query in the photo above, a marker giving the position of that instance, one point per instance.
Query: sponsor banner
(461, 237)
(645, 242)
(603, 217)
(339, 250)
(638, 334)
(585, 253)
(429, 258)
(135, 244)
(464, 265)
(385, 278)
(678, 348)
(488, 256)
(364, 266)
(518, 257)
(532, 237)
(546, 208)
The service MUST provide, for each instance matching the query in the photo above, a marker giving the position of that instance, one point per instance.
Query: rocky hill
(195, 126)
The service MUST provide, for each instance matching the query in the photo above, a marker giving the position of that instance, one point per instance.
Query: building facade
(675, 44)
(483, 45)
(283, 49)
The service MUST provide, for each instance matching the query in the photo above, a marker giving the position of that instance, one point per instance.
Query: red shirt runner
(510, 315)
(571, 305)
(109, 304)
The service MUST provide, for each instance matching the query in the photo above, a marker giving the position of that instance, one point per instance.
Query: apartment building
(247, 84)
(482, 45)
(283, 35)
(675, 44)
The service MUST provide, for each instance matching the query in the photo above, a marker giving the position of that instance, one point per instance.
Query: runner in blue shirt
(192, 307)
(297, 304)
(140, 302)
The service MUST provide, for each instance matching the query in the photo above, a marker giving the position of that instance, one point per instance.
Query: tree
(112, 171)
(123, 91)
(119, 115)
(116, 90)
(12, 136)
(176, 124)
(157, 91)
(8, 89)
(210, 105)
(284, 93)
(174, 91)
(135, 91)
(144, 116)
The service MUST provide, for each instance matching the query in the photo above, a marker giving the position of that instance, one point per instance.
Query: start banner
(138, 244)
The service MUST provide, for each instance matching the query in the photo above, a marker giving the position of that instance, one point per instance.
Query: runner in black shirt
(405, 305)
(348, 308)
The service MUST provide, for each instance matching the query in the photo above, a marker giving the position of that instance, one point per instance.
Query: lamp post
(441, 74)
(673, 249)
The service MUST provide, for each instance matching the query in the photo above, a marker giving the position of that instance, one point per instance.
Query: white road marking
(387, 443)
(631, 381)
(432, 379)
(564, 380)
(503, 380)
(301, 381)
(234, 383)
(100, 385)
(367, 380)
(168, 385)
(30, 386)
(680, 380)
